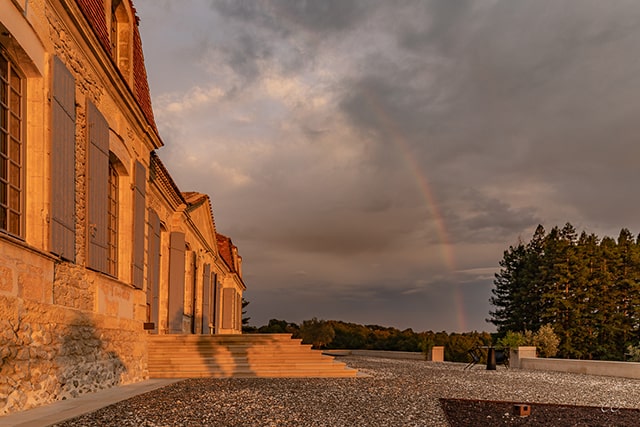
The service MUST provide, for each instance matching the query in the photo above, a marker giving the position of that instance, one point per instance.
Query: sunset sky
(372, 160)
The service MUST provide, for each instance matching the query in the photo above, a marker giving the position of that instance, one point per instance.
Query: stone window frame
(12, 181)
(120, 36)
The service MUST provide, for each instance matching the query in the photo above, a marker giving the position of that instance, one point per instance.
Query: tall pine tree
(587, 288)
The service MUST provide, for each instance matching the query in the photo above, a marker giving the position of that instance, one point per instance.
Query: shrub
(547, 341)
(633, 353)
(512, 340)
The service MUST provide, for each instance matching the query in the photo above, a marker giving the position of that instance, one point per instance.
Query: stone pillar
(436, 354)
(515, 354)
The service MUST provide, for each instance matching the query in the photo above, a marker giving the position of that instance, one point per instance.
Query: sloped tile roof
(225, 248)
(160, 175)
(94, 12)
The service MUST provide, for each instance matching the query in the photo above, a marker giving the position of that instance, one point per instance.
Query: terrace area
(388, 392)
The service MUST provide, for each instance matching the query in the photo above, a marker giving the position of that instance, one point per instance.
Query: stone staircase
(250, 355)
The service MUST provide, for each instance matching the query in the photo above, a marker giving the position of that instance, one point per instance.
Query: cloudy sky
(372, 160)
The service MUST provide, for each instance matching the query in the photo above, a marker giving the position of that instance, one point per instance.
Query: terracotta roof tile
(141, 83)
(225, 248)
(160, 175)
(94, 12)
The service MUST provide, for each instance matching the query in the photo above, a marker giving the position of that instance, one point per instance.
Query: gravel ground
(395, 393)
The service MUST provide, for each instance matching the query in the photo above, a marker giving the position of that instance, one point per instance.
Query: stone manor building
(98, 246)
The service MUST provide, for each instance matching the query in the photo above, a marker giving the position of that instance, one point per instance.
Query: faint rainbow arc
(398, 138)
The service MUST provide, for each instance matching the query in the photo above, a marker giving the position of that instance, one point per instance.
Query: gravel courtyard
(394, 393)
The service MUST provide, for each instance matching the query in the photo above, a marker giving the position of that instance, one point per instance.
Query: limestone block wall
(519, 353)
(588, 367)
(52, 344)
(436, 354)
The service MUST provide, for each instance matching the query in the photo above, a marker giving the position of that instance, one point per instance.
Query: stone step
(269, 355)
(230, 350)
(240, 359)
(246, 338)
(235, 352)
(346, 373)
(210, 363)
(223, 350)
(186, 372)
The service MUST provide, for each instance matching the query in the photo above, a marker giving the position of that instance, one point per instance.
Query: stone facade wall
(66, 330)
(52, 344)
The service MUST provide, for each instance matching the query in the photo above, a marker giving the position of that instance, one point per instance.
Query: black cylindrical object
(491, 359)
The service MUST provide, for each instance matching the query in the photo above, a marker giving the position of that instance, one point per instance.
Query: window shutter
(228, 299)
(176, 281)
(63, 165)
(206, 298)
(98, 189)
(215, 294)
(238, 311)
(139, 194)
(153, 273)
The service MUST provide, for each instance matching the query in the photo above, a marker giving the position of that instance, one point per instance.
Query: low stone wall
(590, 367)
(525, 358)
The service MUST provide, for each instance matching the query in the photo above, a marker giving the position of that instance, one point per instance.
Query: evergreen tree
(586, 289)
(509, 290)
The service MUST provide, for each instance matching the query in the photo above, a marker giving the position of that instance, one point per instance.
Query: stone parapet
(589, 367)
(519, 353)
(436, 354)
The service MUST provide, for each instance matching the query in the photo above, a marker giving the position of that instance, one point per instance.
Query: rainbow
(396, 135)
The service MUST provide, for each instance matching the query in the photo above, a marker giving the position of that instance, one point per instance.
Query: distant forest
(586, 287)
(334, 334)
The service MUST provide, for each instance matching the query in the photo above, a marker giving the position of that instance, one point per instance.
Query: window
(112, 223)
(120, 32)
(11, 146)
(113, 36)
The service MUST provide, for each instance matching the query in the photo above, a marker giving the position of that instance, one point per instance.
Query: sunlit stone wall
(52, 345)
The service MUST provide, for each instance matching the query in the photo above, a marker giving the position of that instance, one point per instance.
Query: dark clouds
(373, 159)
(285, 15)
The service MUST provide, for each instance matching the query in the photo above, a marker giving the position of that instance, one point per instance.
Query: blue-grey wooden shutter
(139, 209)
(98, 189)
(153, 268)
(206, 298)
(176, 281)
(63, 162)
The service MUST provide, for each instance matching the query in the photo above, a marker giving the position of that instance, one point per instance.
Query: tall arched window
(113, 31)
(120, 37)
(12, 140)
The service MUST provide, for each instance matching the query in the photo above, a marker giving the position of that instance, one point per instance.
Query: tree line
(335, 334)
(587, 288)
